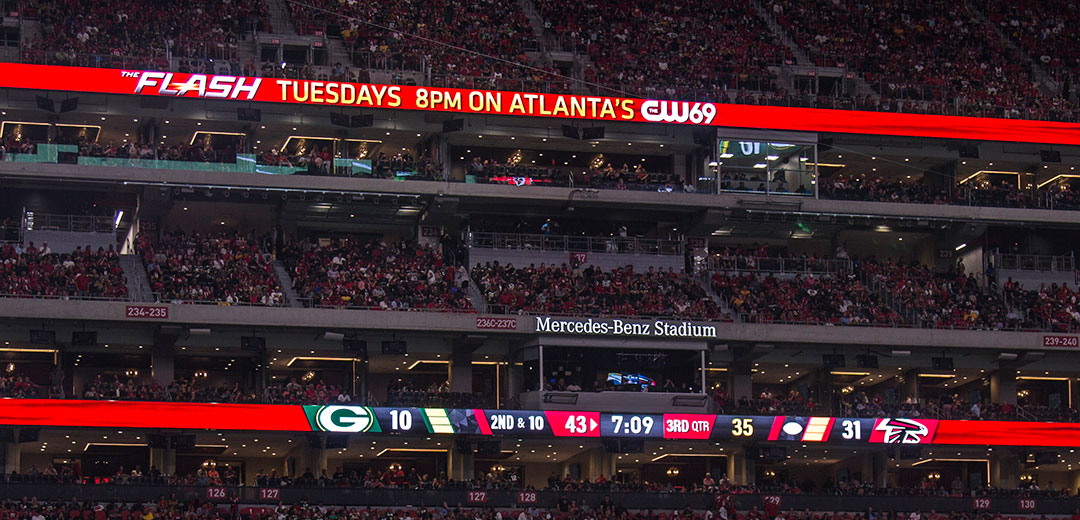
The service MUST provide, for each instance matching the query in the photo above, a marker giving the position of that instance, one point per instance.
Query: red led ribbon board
(530, 423)
(469, 101)
(132, 414)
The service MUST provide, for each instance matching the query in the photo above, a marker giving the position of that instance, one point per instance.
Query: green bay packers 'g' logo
(351, 419)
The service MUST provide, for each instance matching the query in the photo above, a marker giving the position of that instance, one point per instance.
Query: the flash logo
(217, 87)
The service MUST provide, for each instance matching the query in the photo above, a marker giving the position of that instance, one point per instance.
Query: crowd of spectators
(566, 290)
(84, 273)
(123, 28)
(301, 391)
(828, 299)
(917, 296)
(456, 41)
(199, 151)
(406, 392)
(927, 51)
(376, 275)
(1057, 307)
(180, 390)
(694, 49)
(219, 268)
(1046, 29)
(950, 299)
(975, 193)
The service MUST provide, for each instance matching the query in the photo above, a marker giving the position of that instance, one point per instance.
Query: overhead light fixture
(961, 246)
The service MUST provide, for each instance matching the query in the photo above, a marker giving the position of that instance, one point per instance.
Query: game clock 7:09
(632, 425)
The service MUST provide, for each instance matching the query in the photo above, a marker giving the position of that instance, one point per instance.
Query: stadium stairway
(536, 23)
(801, 57)
(1049, 86)
(476, 296)
(138, 284)
(280, 19)
(285, 282)
(703, 280)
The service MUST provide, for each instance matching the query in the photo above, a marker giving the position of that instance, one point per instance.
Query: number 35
(742, 427)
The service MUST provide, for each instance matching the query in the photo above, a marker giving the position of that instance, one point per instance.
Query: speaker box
(1050, 155)
(488, 447)
(394, 348)
(337, 442)
(942, 363)
(339, 119)
(969, 151)
(362, 121)
(182, 441)
(84, 338)
(355, 346)
(29, 434)
(43, 337)
(866, 361)
(253, 343)
(453, 125)
(833, 361)
(592, 133)
(248, 114)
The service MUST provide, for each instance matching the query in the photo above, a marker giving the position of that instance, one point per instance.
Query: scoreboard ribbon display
(582, 107)
(537, 424)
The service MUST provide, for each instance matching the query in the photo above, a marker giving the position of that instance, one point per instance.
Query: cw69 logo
(678, 112)
(350, 419)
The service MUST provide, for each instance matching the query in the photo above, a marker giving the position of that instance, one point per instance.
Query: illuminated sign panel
(616, 327)
(568, 106)
(366, 420)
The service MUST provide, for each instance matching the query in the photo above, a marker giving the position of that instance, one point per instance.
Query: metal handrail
(499, 309)
(764, 264)
(1024, 262)
(189, 301)
(78, 223)
(310, 303)
(575, 244)
(65, 297)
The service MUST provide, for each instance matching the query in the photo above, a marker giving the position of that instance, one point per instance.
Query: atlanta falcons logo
(902, 431)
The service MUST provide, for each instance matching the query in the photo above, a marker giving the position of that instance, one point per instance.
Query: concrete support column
(740, 384)
(910, 387)
(741, 470)
(164, 459)
(163, 363)
(875, 466)
(1003, 386)
(461, 373)
(12, 456)
(1004, 470)
(460, 465)
(599, 463)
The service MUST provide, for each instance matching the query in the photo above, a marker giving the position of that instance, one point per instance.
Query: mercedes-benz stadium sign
(617, 327)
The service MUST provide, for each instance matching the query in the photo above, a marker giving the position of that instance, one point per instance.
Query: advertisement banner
(565, 106)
